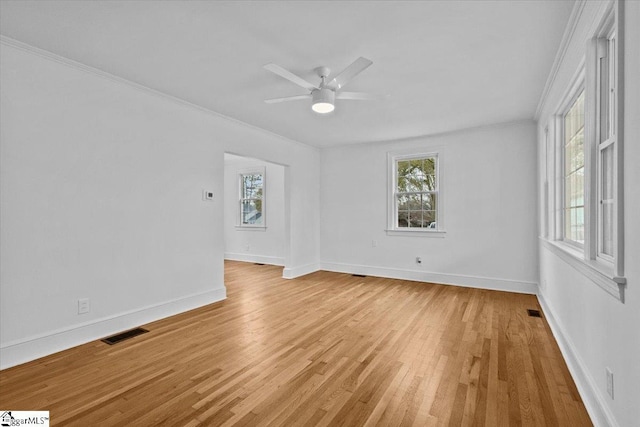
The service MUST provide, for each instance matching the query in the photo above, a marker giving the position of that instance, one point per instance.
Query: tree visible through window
(416, 193)
(251, 199)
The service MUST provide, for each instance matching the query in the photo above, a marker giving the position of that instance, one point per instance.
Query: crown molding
(8, 41)
(567, 36)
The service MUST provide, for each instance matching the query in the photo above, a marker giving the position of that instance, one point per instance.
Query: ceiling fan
(323, 95)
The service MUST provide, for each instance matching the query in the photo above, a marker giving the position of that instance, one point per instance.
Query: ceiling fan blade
(359, 96)
(358, 66)
(276, 69)
(287, 98)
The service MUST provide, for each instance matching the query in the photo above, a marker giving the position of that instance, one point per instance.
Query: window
(573, 172)
(252, 206)
(605, 141)
(415, 193)
(586, 182)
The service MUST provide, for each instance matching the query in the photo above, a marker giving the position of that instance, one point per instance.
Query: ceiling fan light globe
(322, 107)
(323, 101)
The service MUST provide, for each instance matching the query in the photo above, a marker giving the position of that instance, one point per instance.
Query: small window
(415, 195)
(252, 199)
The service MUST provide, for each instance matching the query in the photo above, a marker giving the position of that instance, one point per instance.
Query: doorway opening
(256, 211)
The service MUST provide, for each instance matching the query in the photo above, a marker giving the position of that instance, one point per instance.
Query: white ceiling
(442, 65)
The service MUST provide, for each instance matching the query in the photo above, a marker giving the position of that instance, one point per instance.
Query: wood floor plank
(325, 349)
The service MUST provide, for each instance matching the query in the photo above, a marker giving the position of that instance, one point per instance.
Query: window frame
(605, 48)
(241, 174)
(392, 217)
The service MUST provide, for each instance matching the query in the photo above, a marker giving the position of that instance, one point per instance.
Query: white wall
(596, 330)
(101, 198)
(263, 245)
(488, 190)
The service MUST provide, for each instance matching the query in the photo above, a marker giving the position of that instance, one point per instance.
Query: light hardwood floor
(327, 349)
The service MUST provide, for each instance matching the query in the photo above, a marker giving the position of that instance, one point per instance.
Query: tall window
(252, 199)
(573, 211)
(415, 192)
(605, 141)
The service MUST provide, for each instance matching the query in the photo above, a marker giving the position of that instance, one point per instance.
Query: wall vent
(534, 313)
(114, 339)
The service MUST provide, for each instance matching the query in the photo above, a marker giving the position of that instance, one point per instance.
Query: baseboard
(261, 259)
(594, 401)
(301, 270)
(31, 348)
(432, 277)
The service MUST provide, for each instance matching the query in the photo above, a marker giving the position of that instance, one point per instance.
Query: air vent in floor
(534, 313)
(114, 339)
(358, 275)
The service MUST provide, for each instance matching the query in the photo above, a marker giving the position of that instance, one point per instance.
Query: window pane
(574, 172)
(429, 218)
(403, 202)
(607, 173)
(568, 156)
(402, 167)
(579, 148)
(415, 167)
(415, 219)
(429, 166)
(252, 186)
(415, 202)
(606, 201)
(401, 185)
(579, 187)
(429, 202)
(567, 224)
(607, 228)
(429, 183)
(567, 191)
(251, 212)
(403, 218)
(579, 225)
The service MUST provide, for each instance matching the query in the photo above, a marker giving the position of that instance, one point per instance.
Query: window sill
(600, 273)
(250, 228)
(417, 233)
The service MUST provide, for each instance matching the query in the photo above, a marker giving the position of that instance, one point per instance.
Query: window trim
(240, 174)
(392, 228)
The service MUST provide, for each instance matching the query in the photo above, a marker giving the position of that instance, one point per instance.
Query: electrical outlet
(207, 195)
(418, 260)
(247, 248)
(374, 243)
(609, 382)
(83, 306)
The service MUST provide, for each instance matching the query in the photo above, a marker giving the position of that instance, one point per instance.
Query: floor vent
(124, 336)
(534, 313)
(358, 275)
(258, 263)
